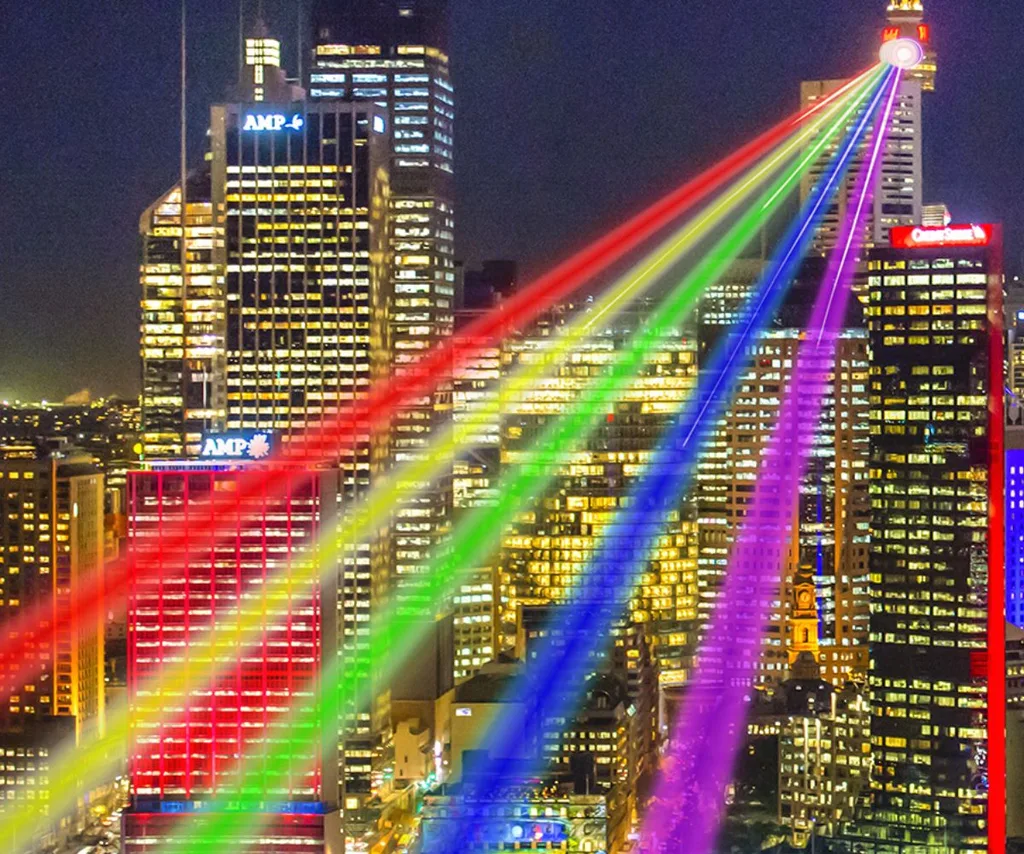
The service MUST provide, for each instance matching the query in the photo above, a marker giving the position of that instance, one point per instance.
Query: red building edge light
(335, 433)
(996, 551)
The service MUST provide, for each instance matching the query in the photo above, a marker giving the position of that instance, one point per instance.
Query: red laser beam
(324, 441)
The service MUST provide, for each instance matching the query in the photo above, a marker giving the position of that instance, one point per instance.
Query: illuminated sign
(273, 121)
(890, 34)
(236, 446)
(463, 713)
(923, 237)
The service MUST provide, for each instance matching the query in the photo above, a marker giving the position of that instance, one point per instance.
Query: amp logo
(272, 122)
(236, 446)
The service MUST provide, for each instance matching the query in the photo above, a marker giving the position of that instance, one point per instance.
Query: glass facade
(51, 553)
(830, 555)
(936, 561)
(394, 54)
(182, 333)
(306, 224)
(546, 548)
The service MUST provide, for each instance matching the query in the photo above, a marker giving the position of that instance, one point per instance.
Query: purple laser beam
(689, 796)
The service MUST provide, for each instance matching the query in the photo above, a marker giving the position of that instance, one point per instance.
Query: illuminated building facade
(556, 817)
(822, 606)
(824, 752)
(187, 761)
(546, 548)
(1015, 524)
(937, 549)
(304, 191)
(51, 550)
(898, 197)
(475, 388)
(182, 328)
(394, 53)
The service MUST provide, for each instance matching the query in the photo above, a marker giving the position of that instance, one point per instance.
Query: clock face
(804, 599)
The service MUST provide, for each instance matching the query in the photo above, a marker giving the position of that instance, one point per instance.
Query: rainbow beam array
(324, 441)
(391, 639)
(691, 794)
(87, 765)
(100, 759)
(578, 633)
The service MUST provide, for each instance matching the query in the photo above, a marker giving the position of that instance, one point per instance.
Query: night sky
(570, 115)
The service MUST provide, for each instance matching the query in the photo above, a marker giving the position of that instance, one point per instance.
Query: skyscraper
(936, 559)
(182, 333)
(547, 547)
(822, 606)
(51, 550)
(394, 53)
(185, 764)
(304, 190)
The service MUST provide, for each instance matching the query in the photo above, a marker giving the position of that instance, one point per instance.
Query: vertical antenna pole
(183, 178)
(241, 39)
(298, 40)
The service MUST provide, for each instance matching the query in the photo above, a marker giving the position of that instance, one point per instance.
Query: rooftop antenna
(299, 40)
(241, 38)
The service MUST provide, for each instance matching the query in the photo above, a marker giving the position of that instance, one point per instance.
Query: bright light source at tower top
(903, 53)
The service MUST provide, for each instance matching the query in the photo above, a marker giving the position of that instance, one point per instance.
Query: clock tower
(803, 621)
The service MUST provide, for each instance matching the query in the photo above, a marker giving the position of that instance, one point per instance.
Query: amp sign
(236, 446)
(273, 122)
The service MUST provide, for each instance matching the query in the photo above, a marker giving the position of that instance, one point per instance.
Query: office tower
(822, 605)
(824, 752)
(1014, 511)
(548, 545)
(394, 53)
(475, 474)
(304, 189)
(898, 196)
(182, 322)
(241, 710)
(51, 550)
(722, 304)
(936, 558)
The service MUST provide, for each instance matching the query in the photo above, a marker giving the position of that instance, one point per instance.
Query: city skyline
(634, 475)
(552, 177)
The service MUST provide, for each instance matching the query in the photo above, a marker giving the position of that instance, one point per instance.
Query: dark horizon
(567, 120)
